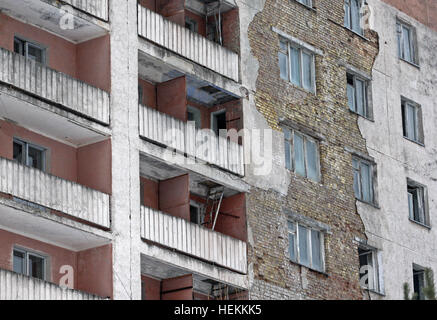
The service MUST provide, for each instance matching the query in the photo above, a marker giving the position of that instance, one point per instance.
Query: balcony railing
(186, 43)
(185, 138)
(54, 86)
(97, 8)
(14, 286)
(43, 189)
(192, 239)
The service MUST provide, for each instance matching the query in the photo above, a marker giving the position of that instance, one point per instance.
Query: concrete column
(125, 202)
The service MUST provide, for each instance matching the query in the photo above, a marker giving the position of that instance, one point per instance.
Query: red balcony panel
(174, 196)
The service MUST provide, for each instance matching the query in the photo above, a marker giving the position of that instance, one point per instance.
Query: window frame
(418, 121)
(27, 253)
(199, 212)
(366, 99)
(372, 180)
(25, 145)
(376, 281)
(24, 49)
(413, 47)
(302, 50)
(196, 112)
(309, 5)
(416, 270)
(348, 13)
(295, 234)
(292, 165)
(411, 184)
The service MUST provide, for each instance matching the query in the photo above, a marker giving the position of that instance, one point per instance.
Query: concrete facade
(400, 241)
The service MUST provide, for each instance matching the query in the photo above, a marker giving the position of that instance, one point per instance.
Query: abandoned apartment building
(108, 192)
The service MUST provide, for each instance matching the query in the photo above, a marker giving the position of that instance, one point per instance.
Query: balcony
(53, 86)
(192, 239)
(191, 45)
(187, 139)
(97, 8)
(14, 286)
(49, 191)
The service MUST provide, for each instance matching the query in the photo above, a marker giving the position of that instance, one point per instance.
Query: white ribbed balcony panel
(35, 186)
(184, 137)
(192, 239)
(97, 8)
(54, 86)
(14, 286)
(156, 28)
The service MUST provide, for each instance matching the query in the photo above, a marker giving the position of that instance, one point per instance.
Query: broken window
(302, 154)
(416, 202)
(29, 264)
(369, 278)
(357, 95)
(29, 50)
(352, 15)
(363, 180)
(29, 154)
(412, 121)
(418, 282)
(296, 65)
(306, 246)
(406, 42)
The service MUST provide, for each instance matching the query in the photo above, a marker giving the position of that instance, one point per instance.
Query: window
(308, 3)
(302, 154)
(29, 154)
(416, 202)
(306, 246)
(29, 264)
(29, 50)
(406, 42)
(218, 121)
(412, 121)
(363, 180)
(357, 95)
(418, 282)
(190, 24)
(193, 114)
(369, 278)
(297, 65)
(352, 15)
(195, 214)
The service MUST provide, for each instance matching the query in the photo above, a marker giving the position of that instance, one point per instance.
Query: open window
(369, 269)
(417, 203)
(412, 121)
(418, 281)
(357, 94)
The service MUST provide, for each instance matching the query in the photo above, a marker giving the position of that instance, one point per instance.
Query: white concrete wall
(388, 227)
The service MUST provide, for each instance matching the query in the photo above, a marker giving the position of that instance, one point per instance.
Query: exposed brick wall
(332, 200)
